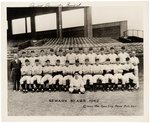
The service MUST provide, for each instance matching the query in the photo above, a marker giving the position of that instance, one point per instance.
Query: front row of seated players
(78, 78)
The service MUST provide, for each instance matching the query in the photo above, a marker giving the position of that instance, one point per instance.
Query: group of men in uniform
(78, 72)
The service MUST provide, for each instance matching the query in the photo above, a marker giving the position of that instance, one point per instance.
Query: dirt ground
(98, 103)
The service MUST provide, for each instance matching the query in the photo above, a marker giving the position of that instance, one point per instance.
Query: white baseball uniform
(71, 57)
(91, 58)
(77, 68)
(112, 57)
(62, 60)
(42, 60)
(118, 70)
(36, 72)
(47, 71)
(123, 57)
(52, 59)
(26, 73)
(97, 70)
(67, 71)
(23, 60)
(58, 77)
(32, 60)
(77, 84)
(87, 71)
(102, 58)
(81, 58)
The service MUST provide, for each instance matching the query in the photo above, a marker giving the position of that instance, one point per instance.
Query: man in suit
(15, 67)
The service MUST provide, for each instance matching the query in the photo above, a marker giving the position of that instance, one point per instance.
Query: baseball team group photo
(81, 53)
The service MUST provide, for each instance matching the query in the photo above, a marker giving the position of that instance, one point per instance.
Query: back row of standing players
(81, 71)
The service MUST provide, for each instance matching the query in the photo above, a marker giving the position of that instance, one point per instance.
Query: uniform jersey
(47, 69)
(77, 68)
(77, 82)
(127, 67)
(87, 69)
(52, 59)
(37, 70)
(71, 57)
(81, 58)
(123, 57)
(42, 60)
(107, 68)
(134, 60)
(62, 60)
(57, 69)
(23, 60)
(67, 70)
(32, 60)
(102, 58)
(97, 69)
(112, 57)
(91, 58)
(26, 70)
(118, 68)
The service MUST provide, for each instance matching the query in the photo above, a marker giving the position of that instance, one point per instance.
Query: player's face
(77, 63)
(51, 53)
(70, 51)
(61, 53)
(24, 55)
(27, 63)
(133, 54)
(81, 51)
(57, 63)
(128, 62)
(91, 51)
(32, 54)
(102, 51)
(76, 75)
(107, 62)
(16, 56)
(86, 62)
(47, 63)
(112, 51)
(123, 50)
(117, 62)
(97, 62)
(37, 63)
(42, 53)
(67, 64)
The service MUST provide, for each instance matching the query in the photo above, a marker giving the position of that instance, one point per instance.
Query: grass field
(98, 103)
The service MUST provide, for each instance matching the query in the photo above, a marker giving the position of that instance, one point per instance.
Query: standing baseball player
(47, 72)
(68, 75)
(32, 58)
(61, 57)
(37, 75)
(52, 57)
(42, 58)
(123, 55)
(23, 58)
(102, 56)
(131, 79)
(26, 76)
(87, 75)
(98, 78)
(77, 84)
(71, 56)
(57, 76)
(81, 56)
(112, 56)
(91, 56)
(135, 61)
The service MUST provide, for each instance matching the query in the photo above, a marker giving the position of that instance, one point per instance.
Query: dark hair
(27, 60)
(57, 60)
(117, 59)
(80, 48)
(107, 59)
(127, 59)
(96, 59)
(123, 48)
(42, 51)
(70, 48)
(111, 48)
(23, 52)
(86, 59)
(90, 48)
(102, 49)
(36, 60)
(77, 61)
(47, 61)
(52, 50)
(67, 61)
(32, 51)
(60, 50)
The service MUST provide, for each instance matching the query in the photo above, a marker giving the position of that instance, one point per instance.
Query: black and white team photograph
(82, 60)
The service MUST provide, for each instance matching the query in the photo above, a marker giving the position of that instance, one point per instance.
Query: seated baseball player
(123, 55)
(37, 75)
(77, 67)
(130, 79)
(135, 61)
(91, 56)
(57, 76)
(108, 74)
(112, 56)
(47, 72)
(119, 78)
(26, 76)
(68, 75)
(98, 78)
(87, 75)
(77, 84)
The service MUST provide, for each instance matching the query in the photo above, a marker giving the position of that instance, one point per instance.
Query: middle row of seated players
(81, 56)
(79, 77)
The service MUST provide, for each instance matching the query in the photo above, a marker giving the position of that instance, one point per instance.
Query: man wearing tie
(15, 67)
